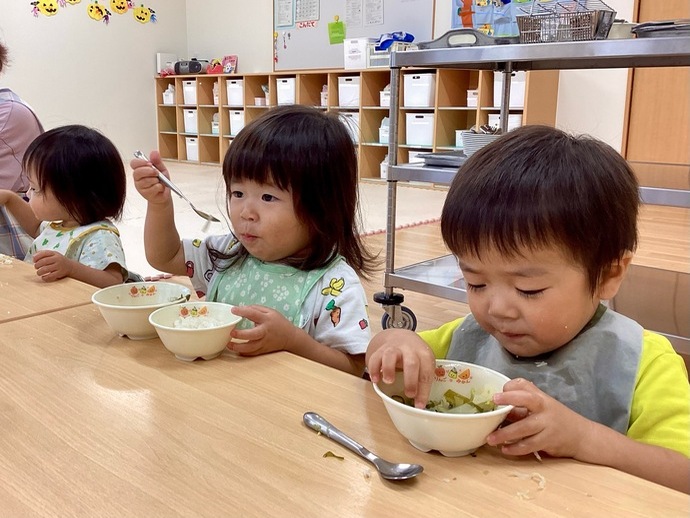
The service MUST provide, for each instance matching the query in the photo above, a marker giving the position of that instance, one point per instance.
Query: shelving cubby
(449, 108)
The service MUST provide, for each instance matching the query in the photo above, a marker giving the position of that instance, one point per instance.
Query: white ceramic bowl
(194, 330)
(453, 435)
(126, 307)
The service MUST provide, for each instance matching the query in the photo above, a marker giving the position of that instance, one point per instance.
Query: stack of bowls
(473, 142)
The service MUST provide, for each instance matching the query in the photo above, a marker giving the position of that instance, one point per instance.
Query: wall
(241, 27)
(593, 101)
(72, 69)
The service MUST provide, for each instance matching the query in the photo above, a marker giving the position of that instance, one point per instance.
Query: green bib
(276, 286)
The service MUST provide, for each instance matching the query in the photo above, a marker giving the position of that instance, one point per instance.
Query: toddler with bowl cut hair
(544, 225)
(77, 186)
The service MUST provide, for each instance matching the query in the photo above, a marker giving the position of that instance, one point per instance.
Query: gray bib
(594, 374)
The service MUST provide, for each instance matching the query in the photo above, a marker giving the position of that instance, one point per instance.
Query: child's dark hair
(311, 152)
(83, 170)
(537, 186)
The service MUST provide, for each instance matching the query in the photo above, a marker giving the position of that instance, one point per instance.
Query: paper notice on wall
(307, 10)
(284, 13)
(353, 13)
(373, 12)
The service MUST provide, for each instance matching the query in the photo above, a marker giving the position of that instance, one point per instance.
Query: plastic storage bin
(419, 129)
(472, 98)
(351, 121)
(236, 121)
(355, 52)
(517, 89)
(191, 124)
(235, 88)
(192, 144)
(348, 91)
(285, 90)
(189, 92)
(419, 90)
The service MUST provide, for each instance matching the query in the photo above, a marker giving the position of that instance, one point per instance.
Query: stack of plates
(473, 142)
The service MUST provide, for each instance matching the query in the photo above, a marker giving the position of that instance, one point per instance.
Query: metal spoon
(388, 470)
(168, 183)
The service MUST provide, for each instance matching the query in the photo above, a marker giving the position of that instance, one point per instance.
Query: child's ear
(612, 279)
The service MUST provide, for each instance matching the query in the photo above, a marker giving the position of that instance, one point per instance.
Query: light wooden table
(97, 425)
(24, 294)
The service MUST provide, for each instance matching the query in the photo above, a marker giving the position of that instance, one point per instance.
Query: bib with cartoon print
(276, 286)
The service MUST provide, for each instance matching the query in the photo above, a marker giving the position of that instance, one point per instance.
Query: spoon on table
(168, 183)
(388, 470)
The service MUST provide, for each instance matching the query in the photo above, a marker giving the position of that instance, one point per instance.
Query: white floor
(203, 185)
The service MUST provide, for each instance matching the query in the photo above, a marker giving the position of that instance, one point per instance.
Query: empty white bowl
(126, 307)
(453, 435)
(194, 330)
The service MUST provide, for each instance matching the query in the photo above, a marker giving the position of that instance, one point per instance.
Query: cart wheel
(409, 321)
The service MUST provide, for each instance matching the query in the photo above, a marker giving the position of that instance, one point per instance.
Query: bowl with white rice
(194, 330)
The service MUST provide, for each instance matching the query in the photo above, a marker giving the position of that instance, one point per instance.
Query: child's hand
(51, 266)
(146, 178)
(398, 349)
(540, 423)
(271, 332)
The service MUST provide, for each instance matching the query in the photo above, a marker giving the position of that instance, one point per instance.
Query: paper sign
(336, 32)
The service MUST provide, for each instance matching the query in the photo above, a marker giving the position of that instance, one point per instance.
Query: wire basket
(546, 21)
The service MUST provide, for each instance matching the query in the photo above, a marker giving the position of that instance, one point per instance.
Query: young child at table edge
(544, 225)
(77, 185)
(292, 262)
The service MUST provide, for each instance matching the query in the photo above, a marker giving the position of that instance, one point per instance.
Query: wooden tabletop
(24, 294)
(94, 424)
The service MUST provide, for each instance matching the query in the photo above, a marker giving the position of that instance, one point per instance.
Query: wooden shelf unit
(449, 108)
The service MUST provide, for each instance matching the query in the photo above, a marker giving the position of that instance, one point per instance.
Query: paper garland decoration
(121, 6)
(144, 14)
(96, 11)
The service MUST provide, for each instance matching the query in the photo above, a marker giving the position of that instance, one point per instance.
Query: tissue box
(472, 98)
(385, 98)
(384, 133)
(168, 97)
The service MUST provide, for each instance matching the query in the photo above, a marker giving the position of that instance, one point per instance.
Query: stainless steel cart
(441, 276)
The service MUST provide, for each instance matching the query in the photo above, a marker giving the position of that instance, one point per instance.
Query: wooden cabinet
(222, 103)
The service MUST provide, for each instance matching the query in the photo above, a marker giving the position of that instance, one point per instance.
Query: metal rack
(441, 276)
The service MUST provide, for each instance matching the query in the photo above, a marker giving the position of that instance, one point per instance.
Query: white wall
(74, 70)
(593, 101)
(243, 27)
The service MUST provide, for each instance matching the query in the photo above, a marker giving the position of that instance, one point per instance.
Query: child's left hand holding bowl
(539, 423)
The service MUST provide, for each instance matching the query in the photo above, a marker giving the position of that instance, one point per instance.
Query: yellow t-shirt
(660, 412)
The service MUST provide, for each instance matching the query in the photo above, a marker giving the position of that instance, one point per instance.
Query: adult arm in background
(21, 211)
(164, 250)
(18, 128)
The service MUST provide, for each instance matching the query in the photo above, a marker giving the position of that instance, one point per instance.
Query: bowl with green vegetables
(460, 412)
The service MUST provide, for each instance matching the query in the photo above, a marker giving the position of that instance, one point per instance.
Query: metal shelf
(626, 53)
(442, 276)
